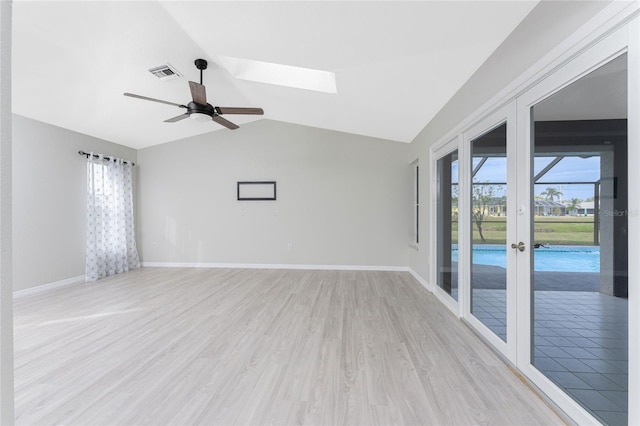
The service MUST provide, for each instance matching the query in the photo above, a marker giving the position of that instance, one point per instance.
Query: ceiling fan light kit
(199, 109)
(200, 117)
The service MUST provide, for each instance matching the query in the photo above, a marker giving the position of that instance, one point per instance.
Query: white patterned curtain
(111, 243)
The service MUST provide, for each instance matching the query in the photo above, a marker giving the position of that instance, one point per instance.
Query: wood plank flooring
(231, 346)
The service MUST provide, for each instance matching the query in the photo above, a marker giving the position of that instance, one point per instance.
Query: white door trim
(633, 129)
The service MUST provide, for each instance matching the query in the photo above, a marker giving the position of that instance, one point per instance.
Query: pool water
(554, 258)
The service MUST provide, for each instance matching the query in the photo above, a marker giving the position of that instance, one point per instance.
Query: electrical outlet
(289, 246)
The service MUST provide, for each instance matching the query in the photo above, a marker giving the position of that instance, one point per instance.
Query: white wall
(49, 200)
(341, 199)
(546, 26)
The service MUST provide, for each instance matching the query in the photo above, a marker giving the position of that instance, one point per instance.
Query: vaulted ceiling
(395, 63)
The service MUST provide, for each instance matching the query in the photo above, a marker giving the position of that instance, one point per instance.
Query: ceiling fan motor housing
(193, 107)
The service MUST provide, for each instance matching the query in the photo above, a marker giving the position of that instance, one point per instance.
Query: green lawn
(560, 230)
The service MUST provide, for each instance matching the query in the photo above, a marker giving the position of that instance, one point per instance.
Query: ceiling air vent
(165, 72)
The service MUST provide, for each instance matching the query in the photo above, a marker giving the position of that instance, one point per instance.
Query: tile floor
(490, 307)
(580, 343)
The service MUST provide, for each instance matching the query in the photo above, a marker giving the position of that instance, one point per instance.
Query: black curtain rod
(106, 157)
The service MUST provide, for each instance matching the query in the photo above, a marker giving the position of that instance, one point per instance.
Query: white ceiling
(396, 63)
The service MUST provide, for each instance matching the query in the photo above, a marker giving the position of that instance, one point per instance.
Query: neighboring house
(586, 208)
(549, 208)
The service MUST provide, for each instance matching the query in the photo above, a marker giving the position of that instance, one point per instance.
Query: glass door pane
(447, 216)
(489, 230)
(579, 222)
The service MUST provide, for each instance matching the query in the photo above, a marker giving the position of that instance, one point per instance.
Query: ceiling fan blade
(153, 100)
(198, 93)
(235, 110)
(177, 118)
(226, 123)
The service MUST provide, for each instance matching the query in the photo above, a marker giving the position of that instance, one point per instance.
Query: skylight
(281, 75)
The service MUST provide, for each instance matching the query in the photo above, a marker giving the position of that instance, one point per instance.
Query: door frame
(610, 47)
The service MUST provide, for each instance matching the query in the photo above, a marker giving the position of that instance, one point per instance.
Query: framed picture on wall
(257, 191)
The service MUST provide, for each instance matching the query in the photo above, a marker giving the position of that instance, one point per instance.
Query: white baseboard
(48, 287)
(275, 266)
(421, 280)
(442, 296)
(81, 279)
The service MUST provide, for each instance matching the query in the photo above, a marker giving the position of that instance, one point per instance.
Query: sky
(569, 169)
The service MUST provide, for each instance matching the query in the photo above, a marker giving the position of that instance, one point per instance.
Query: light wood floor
(231, 346)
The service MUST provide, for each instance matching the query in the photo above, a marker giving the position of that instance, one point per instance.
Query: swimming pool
(554, 258)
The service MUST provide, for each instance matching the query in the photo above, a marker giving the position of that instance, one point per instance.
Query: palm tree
(551, 193)
(574, 204)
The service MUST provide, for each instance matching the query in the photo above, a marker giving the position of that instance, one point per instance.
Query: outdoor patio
(580, 342)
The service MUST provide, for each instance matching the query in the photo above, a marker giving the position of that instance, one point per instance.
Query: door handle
(520, 246)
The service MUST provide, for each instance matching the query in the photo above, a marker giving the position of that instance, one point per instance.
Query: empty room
(319, 212)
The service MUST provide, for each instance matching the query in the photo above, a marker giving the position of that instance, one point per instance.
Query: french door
(487, 203)
(534, 231)
(573, 161)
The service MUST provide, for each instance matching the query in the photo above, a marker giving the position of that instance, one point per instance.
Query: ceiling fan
(198, 109)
